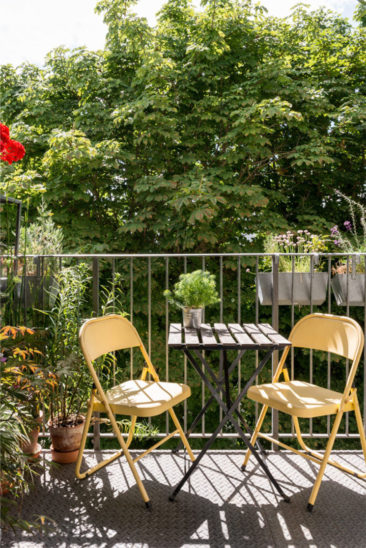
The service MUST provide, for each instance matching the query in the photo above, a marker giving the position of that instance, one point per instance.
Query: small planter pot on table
(192, 317)
(300, 288)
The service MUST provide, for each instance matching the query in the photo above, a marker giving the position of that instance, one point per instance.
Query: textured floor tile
(219, 507)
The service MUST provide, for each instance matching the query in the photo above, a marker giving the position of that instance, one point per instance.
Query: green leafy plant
(23, 367)
(42, 237)
(62, 352)
(195, 290)
(16, 421)
(302, 241)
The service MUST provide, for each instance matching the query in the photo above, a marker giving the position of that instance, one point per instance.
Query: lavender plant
(301, 241)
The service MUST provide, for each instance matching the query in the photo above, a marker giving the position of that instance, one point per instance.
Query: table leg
(194, 423)
(197, 460)
(229, 416)
(219, 382)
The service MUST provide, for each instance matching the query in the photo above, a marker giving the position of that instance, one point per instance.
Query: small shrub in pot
(192, 292)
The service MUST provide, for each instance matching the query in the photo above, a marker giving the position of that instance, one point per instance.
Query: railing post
(275, 324)
(96, 427)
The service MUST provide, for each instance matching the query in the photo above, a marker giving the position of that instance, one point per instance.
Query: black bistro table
(226, 337)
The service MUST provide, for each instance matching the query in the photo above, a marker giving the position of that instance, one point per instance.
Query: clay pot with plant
(192, 293)
(68, 395)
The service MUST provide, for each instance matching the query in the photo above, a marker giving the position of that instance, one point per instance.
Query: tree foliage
(213, 125)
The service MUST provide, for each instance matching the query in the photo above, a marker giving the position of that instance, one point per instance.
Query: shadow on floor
(106, 510)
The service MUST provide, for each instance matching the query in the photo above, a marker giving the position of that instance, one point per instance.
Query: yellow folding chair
(335, 334)
(137, 398)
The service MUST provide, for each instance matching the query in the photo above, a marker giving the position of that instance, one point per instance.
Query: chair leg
(83, 438)
(360, 425)
(182, 434)
(129, 459)
(124, 451)
(255, 435)
(324, 461)
(132, 431)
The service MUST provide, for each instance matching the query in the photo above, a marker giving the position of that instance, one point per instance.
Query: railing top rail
(178, 255)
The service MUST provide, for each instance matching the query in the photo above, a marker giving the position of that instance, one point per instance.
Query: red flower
(10, 151)
(4, 133)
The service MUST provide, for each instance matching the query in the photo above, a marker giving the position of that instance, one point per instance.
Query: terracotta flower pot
(66, 440)
(5, 487)
(33, 448)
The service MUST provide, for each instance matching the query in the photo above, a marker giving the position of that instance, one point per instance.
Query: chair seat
(144, 398)
(298, 398)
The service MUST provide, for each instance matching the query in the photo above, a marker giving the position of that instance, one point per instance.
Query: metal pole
(96, 427)
(275, 324)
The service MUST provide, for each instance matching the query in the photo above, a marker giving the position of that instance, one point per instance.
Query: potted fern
(192, 293)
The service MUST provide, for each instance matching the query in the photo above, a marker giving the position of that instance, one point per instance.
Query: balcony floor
(220, 507)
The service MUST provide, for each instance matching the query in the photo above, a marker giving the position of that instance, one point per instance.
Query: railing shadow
(221, 507)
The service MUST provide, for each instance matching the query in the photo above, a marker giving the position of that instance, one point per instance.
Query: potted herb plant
(192, 293)
(69, 392)
(348, 281)
(298, 283)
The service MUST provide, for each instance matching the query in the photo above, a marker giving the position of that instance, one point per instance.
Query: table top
(232, 336)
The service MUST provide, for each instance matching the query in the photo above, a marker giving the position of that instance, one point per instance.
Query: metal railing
(146, 276)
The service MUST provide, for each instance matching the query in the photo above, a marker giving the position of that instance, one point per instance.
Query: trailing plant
(195, 290)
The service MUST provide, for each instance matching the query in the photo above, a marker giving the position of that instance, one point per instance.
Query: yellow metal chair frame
(100, 336)
(335, 334)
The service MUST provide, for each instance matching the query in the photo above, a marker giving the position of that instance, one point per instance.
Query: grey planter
(300, 293)
(356, 289)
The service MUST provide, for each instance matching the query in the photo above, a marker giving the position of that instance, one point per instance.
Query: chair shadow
(98, 512)
(337, 519)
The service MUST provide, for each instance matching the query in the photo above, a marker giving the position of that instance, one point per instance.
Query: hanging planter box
(305, 288)
(356, 289)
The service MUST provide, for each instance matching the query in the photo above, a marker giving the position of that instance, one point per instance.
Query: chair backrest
(336, 334)
(99, 336)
